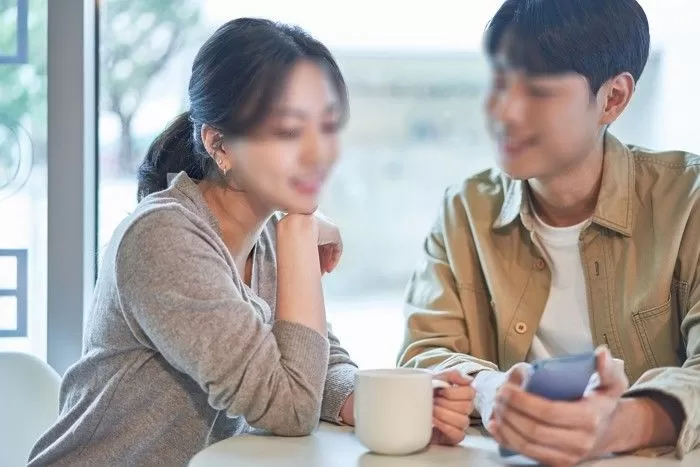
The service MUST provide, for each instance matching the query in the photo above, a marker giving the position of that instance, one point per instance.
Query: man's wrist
(486, 383)
(641, 422)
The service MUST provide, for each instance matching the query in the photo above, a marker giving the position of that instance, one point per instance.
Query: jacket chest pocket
(658, 331)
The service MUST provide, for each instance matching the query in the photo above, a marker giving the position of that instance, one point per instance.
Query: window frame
(72, 174)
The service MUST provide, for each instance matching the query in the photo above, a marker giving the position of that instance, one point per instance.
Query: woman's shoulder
(169, 219)
(181, 202)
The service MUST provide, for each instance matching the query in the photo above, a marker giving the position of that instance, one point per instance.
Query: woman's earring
(222, 167)
(216, 146)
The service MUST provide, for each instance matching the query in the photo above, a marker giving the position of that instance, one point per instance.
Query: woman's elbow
(302, 420)
(297, 429)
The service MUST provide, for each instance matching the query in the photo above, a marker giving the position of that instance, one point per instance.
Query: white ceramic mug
(394, 409)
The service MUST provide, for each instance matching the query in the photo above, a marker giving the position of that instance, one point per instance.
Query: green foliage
(138, 38)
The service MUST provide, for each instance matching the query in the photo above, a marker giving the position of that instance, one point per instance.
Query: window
(15, 47)
(23, 187)
(416, 76)
(13, 293)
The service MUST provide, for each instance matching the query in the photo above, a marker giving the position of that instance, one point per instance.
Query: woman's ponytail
(171, 152)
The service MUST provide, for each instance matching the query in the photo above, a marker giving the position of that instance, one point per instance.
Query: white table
(333, 446)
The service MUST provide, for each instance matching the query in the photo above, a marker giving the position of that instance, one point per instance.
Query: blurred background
(417, 79)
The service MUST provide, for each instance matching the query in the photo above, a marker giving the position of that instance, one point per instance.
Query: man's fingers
(561, 414)
(534, 431)
(459, 406)
(518, 374)
(611, 376)
(450, 435)
(457, 393)
(455, 419)
(510, 438)
(454, 377)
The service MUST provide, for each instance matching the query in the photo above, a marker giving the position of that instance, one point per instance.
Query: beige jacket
(476, 299)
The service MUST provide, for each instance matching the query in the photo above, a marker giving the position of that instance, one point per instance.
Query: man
(578, 243)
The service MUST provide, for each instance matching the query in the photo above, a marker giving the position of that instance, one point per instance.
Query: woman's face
(284, 164)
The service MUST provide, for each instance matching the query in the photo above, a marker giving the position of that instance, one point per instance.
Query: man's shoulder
(666, 171)
(664, 161)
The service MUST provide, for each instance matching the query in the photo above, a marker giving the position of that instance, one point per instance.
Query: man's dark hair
(597, 39)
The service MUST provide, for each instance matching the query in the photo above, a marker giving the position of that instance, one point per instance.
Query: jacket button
(521, 328)
(539, 264)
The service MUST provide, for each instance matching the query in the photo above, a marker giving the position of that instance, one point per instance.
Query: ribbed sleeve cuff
(340, 383)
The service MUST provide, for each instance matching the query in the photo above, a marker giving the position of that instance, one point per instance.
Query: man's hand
(558, 433)
(486, 384)
(451, 408)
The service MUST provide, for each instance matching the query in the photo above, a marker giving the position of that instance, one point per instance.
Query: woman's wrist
(297, 224)
(347, 411)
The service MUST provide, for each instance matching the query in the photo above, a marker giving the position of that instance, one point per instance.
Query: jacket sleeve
(437, 331)
(683, 383)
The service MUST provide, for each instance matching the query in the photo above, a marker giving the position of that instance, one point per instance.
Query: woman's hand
(330, 244)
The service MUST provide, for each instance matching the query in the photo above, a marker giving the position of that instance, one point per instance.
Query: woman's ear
(213, 141)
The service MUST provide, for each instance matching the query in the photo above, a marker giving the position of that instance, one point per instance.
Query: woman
(208, 318)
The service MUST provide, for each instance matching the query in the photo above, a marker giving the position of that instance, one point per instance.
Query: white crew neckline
(557, 236)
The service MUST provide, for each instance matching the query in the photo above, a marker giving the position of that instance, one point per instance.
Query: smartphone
(559, 379)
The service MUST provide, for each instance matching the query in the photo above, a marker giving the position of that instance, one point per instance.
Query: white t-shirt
(565, 326)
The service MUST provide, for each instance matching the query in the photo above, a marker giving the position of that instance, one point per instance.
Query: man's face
(543, 124)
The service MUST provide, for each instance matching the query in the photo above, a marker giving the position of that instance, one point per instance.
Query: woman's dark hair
(237, 77)
(597, 39)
